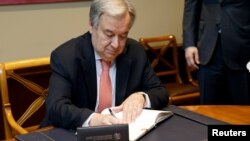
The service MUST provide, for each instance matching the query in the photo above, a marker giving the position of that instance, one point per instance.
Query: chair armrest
(12, 121)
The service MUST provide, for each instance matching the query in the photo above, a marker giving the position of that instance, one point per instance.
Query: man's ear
(90, 27)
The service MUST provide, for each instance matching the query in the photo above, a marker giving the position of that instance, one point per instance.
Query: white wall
(28, 31)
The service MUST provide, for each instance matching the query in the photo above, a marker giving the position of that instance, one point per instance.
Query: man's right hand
(103, 119)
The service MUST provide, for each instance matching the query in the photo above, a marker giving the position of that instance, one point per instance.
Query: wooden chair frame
(190, 77)
(171, 42)
(8, 70)
(184, 92)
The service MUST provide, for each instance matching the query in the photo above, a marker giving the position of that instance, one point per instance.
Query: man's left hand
(131, 107)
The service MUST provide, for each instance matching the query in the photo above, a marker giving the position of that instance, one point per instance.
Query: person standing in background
(216, 40)
(77, 92)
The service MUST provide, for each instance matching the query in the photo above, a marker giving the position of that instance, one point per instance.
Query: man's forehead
(111, 26)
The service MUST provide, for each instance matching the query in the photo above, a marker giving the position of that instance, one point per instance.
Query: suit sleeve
(156, 91)
(191, 18)
(61, 111)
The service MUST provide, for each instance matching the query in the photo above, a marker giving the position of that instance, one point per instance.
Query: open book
(145, 122)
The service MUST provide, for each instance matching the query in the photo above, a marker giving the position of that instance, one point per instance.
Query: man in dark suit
(74, 95)
(216, 37)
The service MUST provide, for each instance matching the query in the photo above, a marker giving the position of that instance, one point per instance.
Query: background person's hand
(192, 57)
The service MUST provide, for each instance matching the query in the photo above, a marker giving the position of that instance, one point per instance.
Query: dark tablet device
(118, 132)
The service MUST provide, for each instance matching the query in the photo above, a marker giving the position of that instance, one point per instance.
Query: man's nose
(115, 42)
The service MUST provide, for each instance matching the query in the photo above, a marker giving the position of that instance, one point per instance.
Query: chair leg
(7, 131)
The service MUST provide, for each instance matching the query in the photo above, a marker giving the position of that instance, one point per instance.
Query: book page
(144, 122)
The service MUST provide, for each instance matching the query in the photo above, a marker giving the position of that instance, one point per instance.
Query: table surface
(233, 114)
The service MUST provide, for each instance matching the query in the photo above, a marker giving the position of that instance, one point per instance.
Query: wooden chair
(24, 87)
(163, 54)
(192, 76)
(191, 98)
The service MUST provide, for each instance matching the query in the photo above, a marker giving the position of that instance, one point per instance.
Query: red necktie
(105, 90)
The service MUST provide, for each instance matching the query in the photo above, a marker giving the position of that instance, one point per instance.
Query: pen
(112, 113)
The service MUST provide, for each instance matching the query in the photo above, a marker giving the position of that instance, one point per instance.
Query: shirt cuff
(147, 101)
(86, 123)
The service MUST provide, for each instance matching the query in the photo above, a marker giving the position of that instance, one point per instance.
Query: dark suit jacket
(204, 18)
(73, 84)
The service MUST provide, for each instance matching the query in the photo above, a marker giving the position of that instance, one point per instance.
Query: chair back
(162, 52)
(163, 55)
(24, 88)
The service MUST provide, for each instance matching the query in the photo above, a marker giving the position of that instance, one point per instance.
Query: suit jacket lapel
(89, 69)
(123, 65)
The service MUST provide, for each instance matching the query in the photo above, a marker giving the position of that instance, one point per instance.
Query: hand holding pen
(112, 113)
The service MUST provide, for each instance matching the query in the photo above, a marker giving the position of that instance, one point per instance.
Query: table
(232, 114)
(181, 123)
